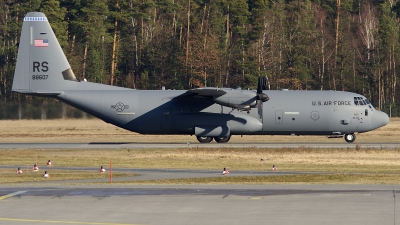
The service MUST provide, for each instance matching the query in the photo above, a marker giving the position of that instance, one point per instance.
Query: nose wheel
(350, 138)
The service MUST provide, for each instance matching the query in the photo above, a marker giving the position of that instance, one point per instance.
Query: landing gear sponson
(349, 138)
(209, 139)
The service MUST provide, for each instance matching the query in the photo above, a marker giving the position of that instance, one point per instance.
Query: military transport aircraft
(209, 113)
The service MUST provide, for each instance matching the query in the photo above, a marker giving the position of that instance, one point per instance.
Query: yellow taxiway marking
(62, 222)
(255, 198)
(12, 194)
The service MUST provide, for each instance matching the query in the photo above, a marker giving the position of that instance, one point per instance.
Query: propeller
(261, 97)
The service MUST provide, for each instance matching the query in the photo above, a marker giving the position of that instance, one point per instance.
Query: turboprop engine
(238, 99)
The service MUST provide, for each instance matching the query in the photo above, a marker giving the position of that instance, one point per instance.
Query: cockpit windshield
(362, 101)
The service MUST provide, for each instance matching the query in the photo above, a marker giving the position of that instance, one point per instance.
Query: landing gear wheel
(350, 138)
(204, 139)
(222, 139)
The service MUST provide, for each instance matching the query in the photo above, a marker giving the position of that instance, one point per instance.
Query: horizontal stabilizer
(40, 93)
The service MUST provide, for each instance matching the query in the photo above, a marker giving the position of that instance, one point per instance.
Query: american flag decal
(42, 43)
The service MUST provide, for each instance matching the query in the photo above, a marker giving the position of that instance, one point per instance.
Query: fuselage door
(279, 117)
(166, 119)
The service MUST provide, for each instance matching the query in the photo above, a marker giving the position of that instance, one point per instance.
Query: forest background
(346, 45)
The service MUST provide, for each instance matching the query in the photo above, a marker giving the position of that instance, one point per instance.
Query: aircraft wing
(209, 93)
(239, 99)
(234, 98)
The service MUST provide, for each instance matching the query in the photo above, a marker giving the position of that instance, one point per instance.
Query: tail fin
(42, 68)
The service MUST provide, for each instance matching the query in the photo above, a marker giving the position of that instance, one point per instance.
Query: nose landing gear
(349, 138)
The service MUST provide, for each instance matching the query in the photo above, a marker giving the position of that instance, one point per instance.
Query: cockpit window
(358, 101)
(362, 101)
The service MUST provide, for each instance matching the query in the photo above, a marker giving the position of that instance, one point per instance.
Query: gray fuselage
(287, 112)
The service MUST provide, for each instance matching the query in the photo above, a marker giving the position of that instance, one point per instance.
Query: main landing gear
(209, 139)
(349, 138)
(204, 139)
(222, 139)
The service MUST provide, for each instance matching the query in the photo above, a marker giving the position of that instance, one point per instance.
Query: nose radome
(379, 119)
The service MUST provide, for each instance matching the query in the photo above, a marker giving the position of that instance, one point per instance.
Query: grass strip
(8, 176)
(330, 160)
(283, 179)
(377, 165)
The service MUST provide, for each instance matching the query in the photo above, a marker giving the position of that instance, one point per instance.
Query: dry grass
(286, 179)
(333, 160)
(8, 176)
(376, 166)
(94, 130)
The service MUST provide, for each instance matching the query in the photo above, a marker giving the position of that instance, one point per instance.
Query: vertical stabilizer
(41, 64)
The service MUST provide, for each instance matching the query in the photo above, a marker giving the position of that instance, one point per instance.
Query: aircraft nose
(379, 119)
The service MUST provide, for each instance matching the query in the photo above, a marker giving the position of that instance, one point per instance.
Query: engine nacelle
(238, 99)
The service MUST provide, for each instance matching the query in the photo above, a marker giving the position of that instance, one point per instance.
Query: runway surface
(136, 145)
(201, 204)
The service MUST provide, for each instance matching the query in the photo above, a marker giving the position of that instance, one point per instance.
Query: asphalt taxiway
(201, 204)
(137, 145)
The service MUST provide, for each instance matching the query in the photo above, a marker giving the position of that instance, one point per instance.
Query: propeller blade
(264, 83)
(261, 97)
(259, 85)
(260, 110)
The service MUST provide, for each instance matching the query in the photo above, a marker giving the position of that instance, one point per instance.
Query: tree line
(349, 45)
